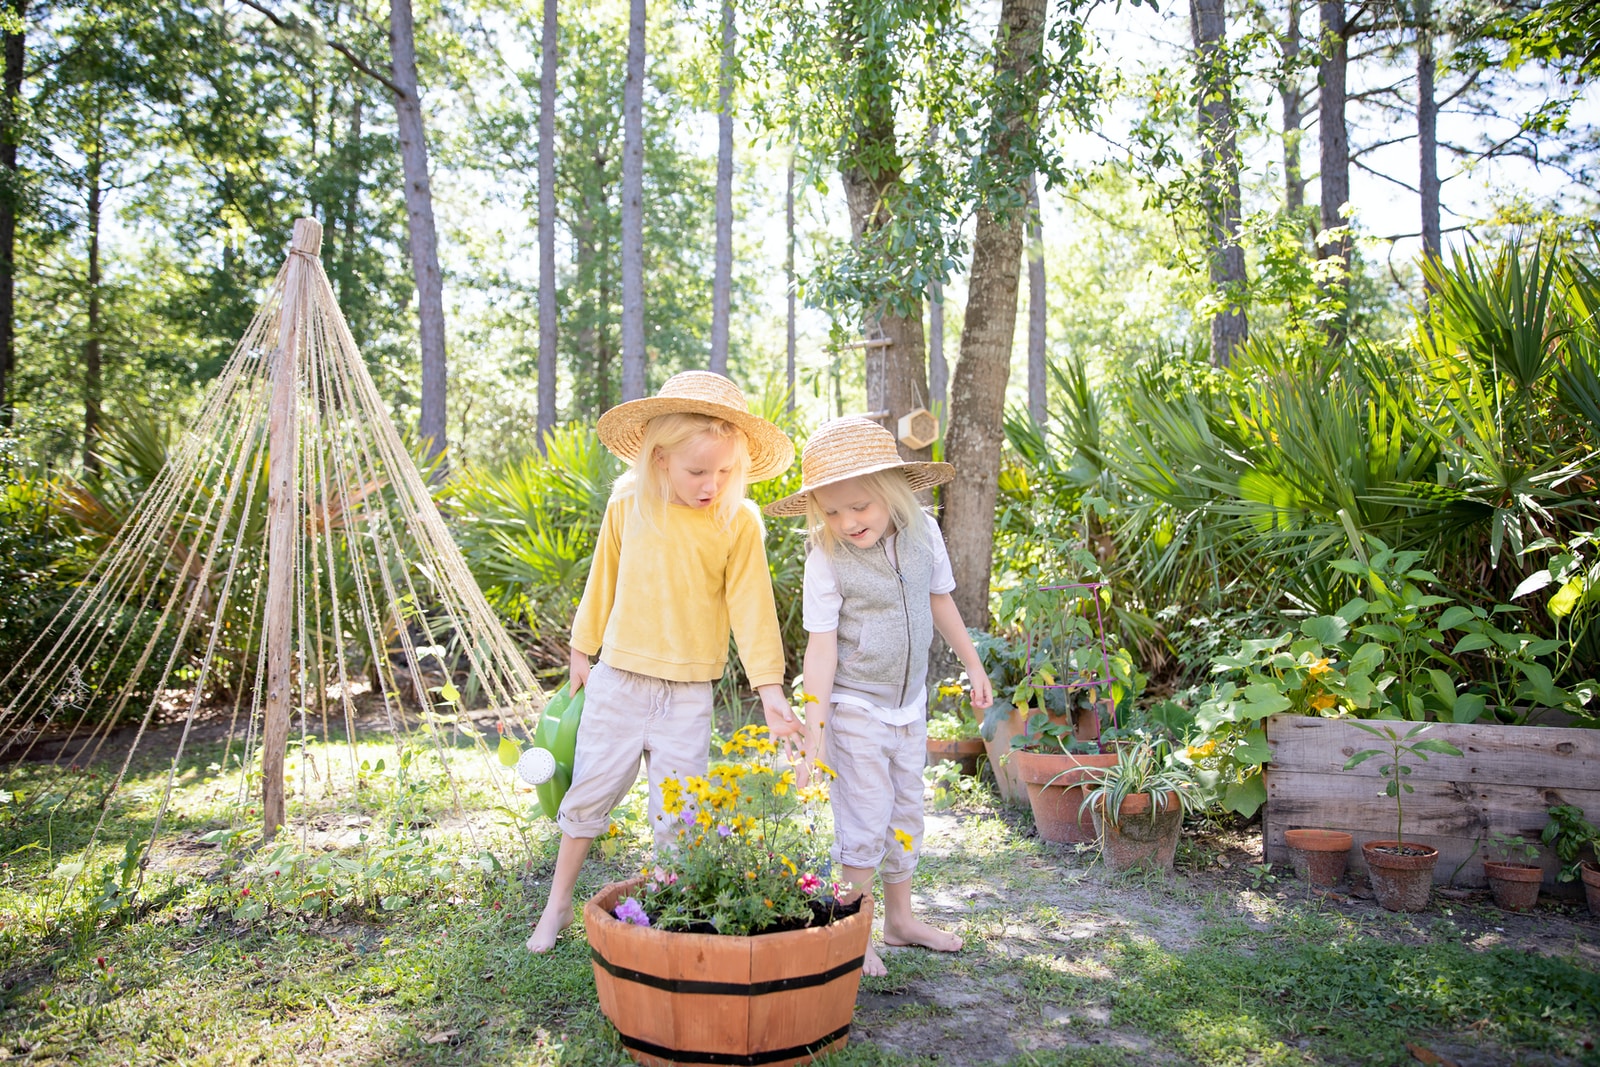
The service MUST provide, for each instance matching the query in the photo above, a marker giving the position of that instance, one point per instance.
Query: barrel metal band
(725, 989)
(750, 1059)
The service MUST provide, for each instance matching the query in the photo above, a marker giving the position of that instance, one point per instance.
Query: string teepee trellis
(289, 552)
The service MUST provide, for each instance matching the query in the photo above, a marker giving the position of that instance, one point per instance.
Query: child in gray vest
(877, 585)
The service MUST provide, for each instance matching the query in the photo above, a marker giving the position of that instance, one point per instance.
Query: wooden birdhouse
(918, 428)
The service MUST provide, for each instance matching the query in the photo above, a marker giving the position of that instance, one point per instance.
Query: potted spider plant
(1138, 804)
(1401, 871)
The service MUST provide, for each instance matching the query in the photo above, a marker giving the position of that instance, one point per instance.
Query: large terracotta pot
(1515, 885)
(1008, 783)
(1140, 839)
(771, 999)
(1319, 856)
(964, 753)
(1055, 785)
(1401, 880)
(1591, 886)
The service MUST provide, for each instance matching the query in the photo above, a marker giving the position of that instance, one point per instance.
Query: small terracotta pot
(681, 998)
(1515, 885)
(1319, 856)
(1055, 785)
(1591, 886)
(1402, 881)
(1140, 839)
(964, 752)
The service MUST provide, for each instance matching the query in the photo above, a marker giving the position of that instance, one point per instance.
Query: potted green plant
(1569, 833)
(1515, 876)
(953, 732)
(733, 949)
(1138, 804)
(1401, 871)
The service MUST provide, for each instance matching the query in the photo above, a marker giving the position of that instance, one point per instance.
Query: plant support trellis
(289, 552)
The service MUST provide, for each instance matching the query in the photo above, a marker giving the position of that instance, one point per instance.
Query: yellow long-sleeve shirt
(661, 602)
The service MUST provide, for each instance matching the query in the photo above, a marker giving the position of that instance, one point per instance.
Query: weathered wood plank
(1454, 813)
(1511, 755)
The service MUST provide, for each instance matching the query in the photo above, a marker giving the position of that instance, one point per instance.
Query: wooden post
(282, 512)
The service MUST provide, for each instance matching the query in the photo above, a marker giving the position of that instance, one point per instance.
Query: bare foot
(551, 923)
(921, 934)
(872, 964)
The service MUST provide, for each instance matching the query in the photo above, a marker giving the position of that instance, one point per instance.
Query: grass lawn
(406, 947)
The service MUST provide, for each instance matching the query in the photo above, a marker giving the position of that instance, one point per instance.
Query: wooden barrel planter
(681, 998)
(1055, 785)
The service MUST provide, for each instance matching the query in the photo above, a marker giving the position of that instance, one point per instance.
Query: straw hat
(848, 448)
(702, 393)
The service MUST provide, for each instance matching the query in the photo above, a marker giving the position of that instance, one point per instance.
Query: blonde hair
(889, 488)
(646, 483)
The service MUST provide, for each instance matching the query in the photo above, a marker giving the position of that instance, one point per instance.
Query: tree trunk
(1293, 98)
(547, 226)
(938, 369)
(1427, 132)
(1219, 162)
(789, 279)
(1334, 136)
(978, 390)
(92, 387)
(1036, 306)
(10, 178)
(722, 279)
(633, 352)
(419, 217)
(352, 204)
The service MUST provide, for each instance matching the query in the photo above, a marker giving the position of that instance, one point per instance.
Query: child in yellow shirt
(680, 561)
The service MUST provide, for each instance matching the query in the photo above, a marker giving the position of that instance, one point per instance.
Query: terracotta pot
(1515, 885)
(1055, 784)
(1140, 838)
(1591, 886)
(1319, 856)
(1006, 779)
(678, 998)
(964, 752)
(1402, 881)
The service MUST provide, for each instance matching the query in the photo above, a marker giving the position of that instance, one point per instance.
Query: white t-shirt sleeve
(821, 599)
(943, 579)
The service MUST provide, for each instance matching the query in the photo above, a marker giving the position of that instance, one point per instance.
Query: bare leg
(558, 907)
(902, 927)
(858, 880)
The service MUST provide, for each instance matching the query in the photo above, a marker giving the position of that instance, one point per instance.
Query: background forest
(1207, 297)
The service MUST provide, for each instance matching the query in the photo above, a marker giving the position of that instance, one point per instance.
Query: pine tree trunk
(1292, 97)
(10, 179)
(633, 351)
(722, 272)
(938, 369)
(789, 280)
(419, 216)
(1427, 132)
(1219, 162)
(1037, 320)
(547, 226)
(978, 389)
(92, 386)
(1334, 136)
(352, 204)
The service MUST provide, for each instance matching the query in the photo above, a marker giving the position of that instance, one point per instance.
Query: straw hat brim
(920, 476)
(622, 431)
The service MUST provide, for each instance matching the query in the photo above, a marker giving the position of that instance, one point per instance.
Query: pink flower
(810, 883)
(664, 876)
(723, 829)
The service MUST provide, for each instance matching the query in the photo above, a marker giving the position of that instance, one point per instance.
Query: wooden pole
(282, 511)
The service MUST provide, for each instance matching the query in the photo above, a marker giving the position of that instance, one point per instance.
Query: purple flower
(631, 911)
(723, 829)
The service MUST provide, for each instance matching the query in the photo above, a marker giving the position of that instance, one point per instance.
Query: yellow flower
(1323, 701)
(1319, 668)
(949, 690)
(789, 863)
(806, 698)
(825, 769)
(751, 875)
(781, 786)
(1202, 751)
(904, 839)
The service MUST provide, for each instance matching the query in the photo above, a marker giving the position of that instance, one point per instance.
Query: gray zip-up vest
(885, 625)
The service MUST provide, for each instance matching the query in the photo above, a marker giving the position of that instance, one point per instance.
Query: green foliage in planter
(1568, 832)
(950, 712)
(1512, 848)
(1399, 748)
(1140, 768)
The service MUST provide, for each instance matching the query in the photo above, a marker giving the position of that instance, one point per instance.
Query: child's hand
(579, 667)
(781, 721)
(982, 691)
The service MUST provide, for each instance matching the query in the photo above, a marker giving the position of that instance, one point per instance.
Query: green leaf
(1435, 745)
(1245, 797)
(1452, 617)
(1328, 629)
(1469, 706)
(448, 693)
(1367, 658)
(1261, 700)
(1361, 757)
(509, 752)
(1254, 750)
(1472, 643)
(1354, 609)
(1561, 605)
(1443, 684)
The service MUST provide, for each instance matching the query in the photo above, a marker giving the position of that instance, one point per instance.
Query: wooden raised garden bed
(1505, 780)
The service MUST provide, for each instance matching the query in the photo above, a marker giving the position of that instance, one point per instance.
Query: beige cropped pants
(878, 791)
